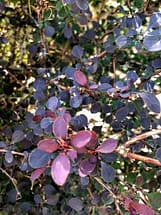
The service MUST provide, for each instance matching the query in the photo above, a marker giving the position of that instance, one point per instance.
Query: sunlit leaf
(60, 127)
(122, 41)
(87, 166)
(155, 20)
(48, 145)
(60, 169)
(152, 41)
(52, 103)
(107, 146)
(81, 139)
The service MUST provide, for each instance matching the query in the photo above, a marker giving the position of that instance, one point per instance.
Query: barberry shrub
(81, 104)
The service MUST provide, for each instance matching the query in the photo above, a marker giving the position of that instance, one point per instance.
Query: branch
(13, 152)
(14, 182)
(126, 154)
(141, 136)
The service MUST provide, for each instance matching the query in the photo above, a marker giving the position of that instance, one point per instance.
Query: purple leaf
(60, 169)
(8, 157)
(93, 141)
(52, 103)
(122, 41)
(152, 41)
(158, 154)
(151, 101)
(49, 31)
(36, 174)
(122, 113)
(80, 78)
(76, 204)
(38, 158)
(48, 145)
(107, 146)
(67, 117)
(87, 166)
(77, 51)
(107, 172)
(82, 4)
(81, 139)
(17, 136)
(60, 127)
(72, 154)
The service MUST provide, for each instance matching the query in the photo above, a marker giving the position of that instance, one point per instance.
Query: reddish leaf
(72, 154)
(60, 169)
(87, 166)
(81, 139)
(82, 150)
(80, 78)
(107, 146)
(60, 127)
(141, 208)
(135, 207)
(48, 145)
(36, 174)
(37, 118)
(49, 113)
(93, 140)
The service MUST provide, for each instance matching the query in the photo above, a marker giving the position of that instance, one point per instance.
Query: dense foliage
(80, 129)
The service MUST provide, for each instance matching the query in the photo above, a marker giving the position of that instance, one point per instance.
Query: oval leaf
(107, 146)
(151, 101)
(48, 145)
(122, 41)
(81, 139)
(17, 136)
(9, 157)
(122, 113)
(80, 78)
(152, 42)
(76, 204)
(36, 174)
(87, 166)
(38, 158)
(82, 4)
(77, 51)
(107, 172)
(60, 127)
(52, 103)
(60, 169)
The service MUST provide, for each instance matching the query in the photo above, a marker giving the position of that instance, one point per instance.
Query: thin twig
(111, 192)
(13, 152)
(14, 182)
(146, 5)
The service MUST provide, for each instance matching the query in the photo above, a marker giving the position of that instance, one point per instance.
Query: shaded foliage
(79, 84)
